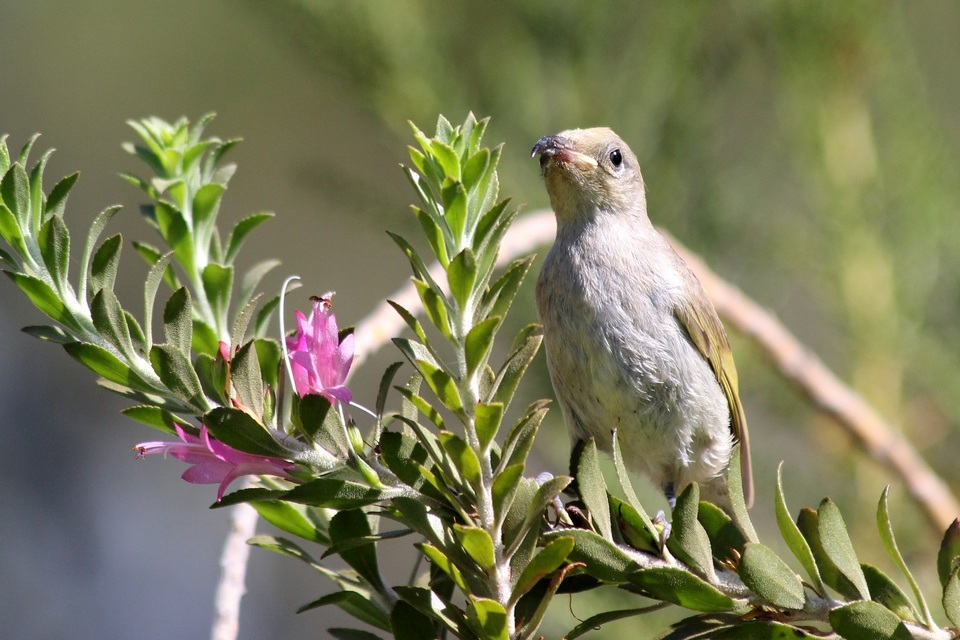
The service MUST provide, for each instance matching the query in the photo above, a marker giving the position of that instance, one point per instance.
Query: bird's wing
(700, 321)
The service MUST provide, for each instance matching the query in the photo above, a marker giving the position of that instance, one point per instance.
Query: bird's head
(589, 171)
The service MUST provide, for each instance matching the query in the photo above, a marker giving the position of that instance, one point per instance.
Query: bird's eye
(616, 158)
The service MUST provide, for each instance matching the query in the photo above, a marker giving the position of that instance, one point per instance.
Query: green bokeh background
(809, 150)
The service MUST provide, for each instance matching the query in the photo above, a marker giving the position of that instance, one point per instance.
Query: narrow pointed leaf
(838, 547)
(795, 540)
(105, 263)
(688, 540)
(593, 489)
(890, 544)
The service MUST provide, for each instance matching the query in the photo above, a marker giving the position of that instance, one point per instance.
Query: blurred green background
(809, 150)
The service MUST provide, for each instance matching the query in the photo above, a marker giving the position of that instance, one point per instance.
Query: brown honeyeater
(633, 343)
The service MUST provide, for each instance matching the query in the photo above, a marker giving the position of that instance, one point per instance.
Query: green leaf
(488, 417)
(176, 372)
(475, 167)
(353, 524)
(462, 276)
(439, 559)
(291, 518)
(106, 365)
(334, 493)
(682, 588)
(525, 347)
(795, 540)
(488, 619)
(504, 488)
(238, 429)
(543, 497)
(155, 417)
(407, 623)
(57, 200)
(110, 322)
(178, 321)
(738, 506)
(206, 202)
(15, 194)
(205, 339)
(96, 228)
(54, 243)
(447, 158)
(688, 540)
(424, 407)
(436, 308)
(462, 456)
(890, 543)
(478, 544)
(770, 578)
(105, 263)
(217, 283)
(442, 384)
(175, 232)
(865, 620)
(321, 423)
(10, 230)
(522, 434)
(628, 491)
(433, 231)
(886, 592)
(247, 381)
(43, 298)
(478, 343)
(634, 530)
(603, 559)
(948, 557)
(49, 333)
(808, 523)
(951, 598)
(240, 232)
(547, 560)
(593, 488)
(726, 539)
(837, 546)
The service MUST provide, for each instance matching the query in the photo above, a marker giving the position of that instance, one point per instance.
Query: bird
(633, 343)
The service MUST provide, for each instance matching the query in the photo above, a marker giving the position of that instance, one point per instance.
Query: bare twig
(790, 358)
(233, 570)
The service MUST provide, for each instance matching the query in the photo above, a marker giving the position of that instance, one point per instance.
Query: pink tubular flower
(319, 360)
(214, 461)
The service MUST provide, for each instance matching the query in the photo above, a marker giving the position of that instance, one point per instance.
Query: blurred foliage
(806, 149)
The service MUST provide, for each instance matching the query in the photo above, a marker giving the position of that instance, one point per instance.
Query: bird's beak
(559, 149)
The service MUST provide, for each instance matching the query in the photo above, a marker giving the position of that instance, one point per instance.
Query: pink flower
(319, 360)
(214, 461)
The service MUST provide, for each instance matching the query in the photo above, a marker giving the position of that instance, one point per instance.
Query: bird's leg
(671, 493)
